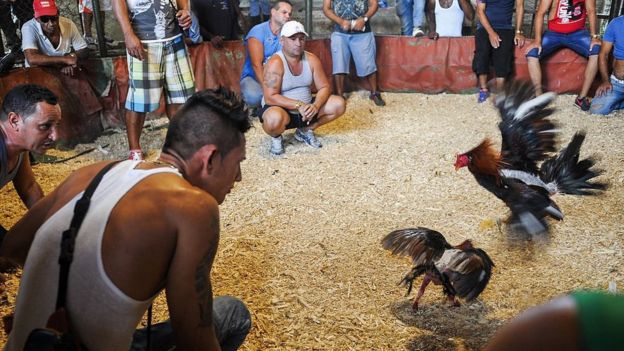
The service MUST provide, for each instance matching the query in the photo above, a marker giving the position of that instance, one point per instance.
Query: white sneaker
(418, 32)
(277, 147)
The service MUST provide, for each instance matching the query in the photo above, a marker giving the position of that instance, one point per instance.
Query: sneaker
(582, 103)
(277, 148)
(376, 97)
(308, 137)
(418, 32)
(136, 155)
(484, 94)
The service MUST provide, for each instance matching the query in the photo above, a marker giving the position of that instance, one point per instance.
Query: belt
(615, 79)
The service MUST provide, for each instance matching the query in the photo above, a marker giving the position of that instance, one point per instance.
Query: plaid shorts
(165, 65)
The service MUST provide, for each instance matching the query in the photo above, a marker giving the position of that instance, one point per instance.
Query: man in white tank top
(29, 121)
(288, 101)
(151, 226)
(446, 17)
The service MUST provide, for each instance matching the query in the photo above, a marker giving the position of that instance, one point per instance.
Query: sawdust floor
(300, 233)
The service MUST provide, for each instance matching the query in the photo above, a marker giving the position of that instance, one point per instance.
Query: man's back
(122, 254)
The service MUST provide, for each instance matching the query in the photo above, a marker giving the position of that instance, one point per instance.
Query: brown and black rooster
(515, 174)
(462, 270)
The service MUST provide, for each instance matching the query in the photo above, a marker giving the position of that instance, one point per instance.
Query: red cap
(45, 8)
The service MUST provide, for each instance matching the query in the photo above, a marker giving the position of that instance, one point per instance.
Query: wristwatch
(365, 19)
(299, 104)
(595, 36)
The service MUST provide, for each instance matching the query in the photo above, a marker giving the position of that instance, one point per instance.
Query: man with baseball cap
(51, 40)
(288, 101)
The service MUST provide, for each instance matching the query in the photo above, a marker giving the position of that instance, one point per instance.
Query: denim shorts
(361, 46)
(578, 41)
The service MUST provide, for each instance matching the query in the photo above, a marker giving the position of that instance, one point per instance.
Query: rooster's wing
(527, 133)
(468, 271)
(423, 245)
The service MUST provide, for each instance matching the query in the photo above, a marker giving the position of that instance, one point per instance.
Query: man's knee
(335, 106)
(251, 91)
(232, 318)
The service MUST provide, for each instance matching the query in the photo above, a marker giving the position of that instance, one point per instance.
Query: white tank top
(296, 87)
(449, 21)
(106, 318)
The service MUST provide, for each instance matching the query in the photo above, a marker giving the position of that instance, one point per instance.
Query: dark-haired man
(151, 226)
(52, 40)
(288, 101)
(29, 121)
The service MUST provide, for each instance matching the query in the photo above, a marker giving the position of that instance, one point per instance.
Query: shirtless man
(288, 101)
(610, 93)
(29, 121)
(151, 226)
(566, 28)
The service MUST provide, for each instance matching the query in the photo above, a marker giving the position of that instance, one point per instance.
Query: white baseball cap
(291, 28)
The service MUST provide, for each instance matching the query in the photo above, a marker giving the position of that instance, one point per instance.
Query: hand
(604, 88)
(345, 25)
(184, 19)
(533, 46)
(594, 41)
(71, 59)
(308, 112)
(519, 40)
(217, 41)
(68, 70)
(135, 47)
(360, 25)
(495, 40)
(433, 35)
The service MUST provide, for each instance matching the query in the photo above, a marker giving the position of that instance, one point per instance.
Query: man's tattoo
(203, 287)
(271, 79)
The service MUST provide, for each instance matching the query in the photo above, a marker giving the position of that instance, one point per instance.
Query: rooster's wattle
(515, 174)
(462, 270)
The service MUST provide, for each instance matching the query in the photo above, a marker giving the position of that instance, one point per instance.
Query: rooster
(515, 174)
(462, 270)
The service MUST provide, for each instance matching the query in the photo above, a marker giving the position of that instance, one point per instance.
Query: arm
(256, 56)
(272, 85)
(519, 37)
(329, 13)
(360, 24)
(189, 287)
(36, 58)
(603, 66)
(25, 184)
(323, 90)
(184, 14)
(494, 38)
(467, 8)
(430, 10)
(590, 6)
(133, 44)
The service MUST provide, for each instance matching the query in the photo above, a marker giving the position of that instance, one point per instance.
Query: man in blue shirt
(262, 42)
(495, 40)
(610, 93)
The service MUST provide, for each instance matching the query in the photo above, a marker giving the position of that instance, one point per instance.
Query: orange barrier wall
(404, 64)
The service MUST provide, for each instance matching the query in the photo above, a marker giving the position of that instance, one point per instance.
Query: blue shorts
(361, 46)
(578, 41)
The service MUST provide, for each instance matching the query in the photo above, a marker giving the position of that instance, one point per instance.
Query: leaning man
(610, 94)
(157, 60)
(52, 40)
(288, 101)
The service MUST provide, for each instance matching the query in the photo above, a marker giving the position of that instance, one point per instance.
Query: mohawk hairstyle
(208, 117)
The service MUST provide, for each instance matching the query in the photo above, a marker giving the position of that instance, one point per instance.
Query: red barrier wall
(404, 65)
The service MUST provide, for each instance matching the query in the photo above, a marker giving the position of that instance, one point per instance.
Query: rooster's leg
(421, 291)
(453, 301)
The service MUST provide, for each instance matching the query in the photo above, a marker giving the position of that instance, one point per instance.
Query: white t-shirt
(33, 38)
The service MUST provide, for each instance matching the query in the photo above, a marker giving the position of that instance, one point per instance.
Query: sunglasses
(46, 19)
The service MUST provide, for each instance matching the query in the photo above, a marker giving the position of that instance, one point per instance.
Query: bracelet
(299, 104)
(519, 32)
(595, 36)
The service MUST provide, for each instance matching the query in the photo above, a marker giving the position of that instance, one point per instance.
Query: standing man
(29, 121)
(412, 14)
(157, 60)
(262, 42)
(353, 36)
(566, 28)
(85, 8)
(446, 17)
(610, 94)
(51, 40)
(288, 101)
(495, 40)
(150, 226)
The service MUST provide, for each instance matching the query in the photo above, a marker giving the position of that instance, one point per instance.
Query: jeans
(613, 100)
(251, 91)
(411, 13)
(578, 41)
(258, 6)
(232, 323)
